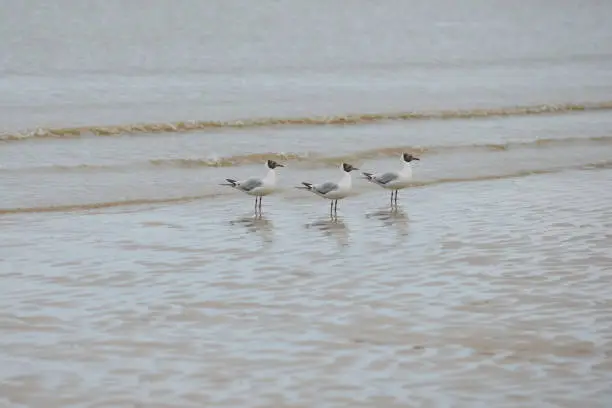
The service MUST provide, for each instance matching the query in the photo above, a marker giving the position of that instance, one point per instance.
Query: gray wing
(386, 178)
(326, 187)
(250, 184)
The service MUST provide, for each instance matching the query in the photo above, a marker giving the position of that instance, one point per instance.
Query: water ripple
(498, 294)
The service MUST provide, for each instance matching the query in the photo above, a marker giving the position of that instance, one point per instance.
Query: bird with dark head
(394, 180)
(333, 191)
(408, 157)
(348, 168)
(272, 164)
(256, 186)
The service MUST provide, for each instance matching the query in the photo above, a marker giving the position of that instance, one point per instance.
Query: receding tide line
(103, 205)
(350, 119)
(145, 201)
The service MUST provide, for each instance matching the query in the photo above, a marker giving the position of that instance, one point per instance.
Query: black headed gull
(333, 191)
(394, 180)
(256, 186)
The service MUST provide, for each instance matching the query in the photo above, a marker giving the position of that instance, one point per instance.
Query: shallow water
(492, 292)
(130, 277)
(117, 63)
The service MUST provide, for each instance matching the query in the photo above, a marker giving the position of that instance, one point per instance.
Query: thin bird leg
(391, 198)
(331, 207)
(336, 207)
(396, 198)
(260, 204)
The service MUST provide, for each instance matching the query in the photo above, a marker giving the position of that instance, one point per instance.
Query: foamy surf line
(65, 208)
(349, 119)
(101, 205)
(314, 160)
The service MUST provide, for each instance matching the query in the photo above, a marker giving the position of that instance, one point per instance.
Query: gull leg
(336, 207)
(260, 204)
(396, 197)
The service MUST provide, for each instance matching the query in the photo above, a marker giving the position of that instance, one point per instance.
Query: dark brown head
(272, 164)
(408, 157)
(348, 168)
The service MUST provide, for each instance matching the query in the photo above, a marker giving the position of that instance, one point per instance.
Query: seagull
(255, 186)
(394, 180)
(333, 191)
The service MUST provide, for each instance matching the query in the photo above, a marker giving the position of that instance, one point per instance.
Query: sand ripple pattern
(502, 298)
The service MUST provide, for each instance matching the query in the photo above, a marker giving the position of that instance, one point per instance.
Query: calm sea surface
(130, 278)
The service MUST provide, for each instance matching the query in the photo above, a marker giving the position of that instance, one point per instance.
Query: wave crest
(349, 119)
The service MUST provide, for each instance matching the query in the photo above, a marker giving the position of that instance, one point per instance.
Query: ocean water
(131, 278)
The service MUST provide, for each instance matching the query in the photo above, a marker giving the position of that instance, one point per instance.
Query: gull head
(271, 164)
(407, 157)
(348, 168)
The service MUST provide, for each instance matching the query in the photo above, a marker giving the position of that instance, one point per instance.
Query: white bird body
(255, 186)
(334, 191)
(394, 180)
(331, 190)
(398, 180)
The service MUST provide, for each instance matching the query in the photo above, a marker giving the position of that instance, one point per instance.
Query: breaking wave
(349, 119)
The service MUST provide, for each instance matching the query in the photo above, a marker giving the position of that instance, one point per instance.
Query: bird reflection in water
(333, 227)
(257, 224)
(393, 217)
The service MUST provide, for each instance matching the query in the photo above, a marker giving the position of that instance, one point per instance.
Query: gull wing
(325, 188)
(250, 184)
(386, 178)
